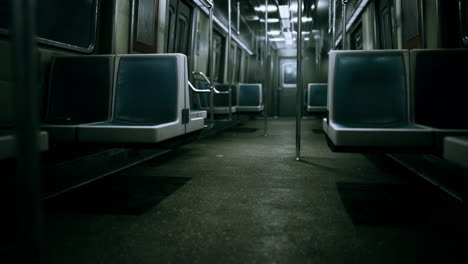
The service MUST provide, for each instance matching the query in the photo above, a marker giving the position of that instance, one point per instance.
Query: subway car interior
(234, 131)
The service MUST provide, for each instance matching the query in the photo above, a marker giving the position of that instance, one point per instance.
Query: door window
(288, 74)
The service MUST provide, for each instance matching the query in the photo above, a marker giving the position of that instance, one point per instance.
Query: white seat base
(456, 150)
(129, 134)
(258, 108)
(8, 148)
(315, 109)
(222, 110)
(417, 137)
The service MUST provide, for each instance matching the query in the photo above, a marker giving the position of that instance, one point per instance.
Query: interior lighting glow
(270, 20)
(284, 11)
(274, 33)
(304, 19)
(312, 7)
(276, 39)
(270, 8)
(293, 7)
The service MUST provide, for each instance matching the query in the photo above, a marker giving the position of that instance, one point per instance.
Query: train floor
(240, 197)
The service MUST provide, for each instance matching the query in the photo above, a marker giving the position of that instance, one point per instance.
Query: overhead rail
(218, 22)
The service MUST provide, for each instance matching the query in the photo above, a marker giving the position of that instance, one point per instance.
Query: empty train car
(234, 131)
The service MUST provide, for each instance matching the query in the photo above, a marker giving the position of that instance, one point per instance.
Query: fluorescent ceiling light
(276, 39)
(312, 7)
(304, 19)
(303, 32)
(271, 8)
(270, 20)
(252, 18)
(274, 33)
(293, 7)
(306, 39)
(322, 4)
(284, 11)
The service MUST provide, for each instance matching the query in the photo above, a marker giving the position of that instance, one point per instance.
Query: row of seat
(317, 97)
(396, 99)
(120, 98)
(245, 97)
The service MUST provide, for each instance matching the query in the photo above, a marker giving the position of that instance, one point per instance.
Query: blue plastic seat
(317, 97)
(150, 101)
(369, 102)
(79, 92)
(250, 97)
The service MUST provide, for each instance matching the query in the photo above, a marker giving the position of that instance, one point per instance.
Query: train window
(231, 61)
(218, 47)
(145, 26)
(171, 28)
(385, 22)
(356, 38)
(181, 40)
(66, 24)
(288, 74)
(182, 28)
(178, 27)
(463, 16)
(238, 64)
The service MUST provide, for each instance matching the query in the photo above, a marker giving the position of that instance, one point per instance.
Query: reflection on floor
(249, 201)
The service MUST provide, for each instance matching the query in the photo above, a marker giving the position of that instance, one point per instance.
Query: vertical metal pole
(114, 27)
(299, 80)
(343, 31)
(132, 26)
(265, 55)
(334, 25)
(29, 231)
(423, 26)
(238, 17)
(229, 66)
(211, 62)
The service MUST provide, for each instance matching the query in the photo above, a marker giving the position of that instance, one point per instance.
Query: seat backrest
(80, 89)
(221, 100)
(250, 94)
(369, 88)
(317, 94)
(439, 87)
(149, 89)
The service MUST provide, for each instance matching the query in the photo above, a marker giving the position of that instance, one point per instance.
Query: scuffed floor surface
(249, 201)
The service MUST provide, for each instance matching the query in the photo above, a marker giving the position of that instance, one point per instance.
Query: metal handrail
(198, 90)
(203, 76)
(213, 91)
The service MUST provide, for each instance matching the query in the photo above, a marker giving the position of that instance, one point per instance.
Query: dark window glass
(289, 73)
